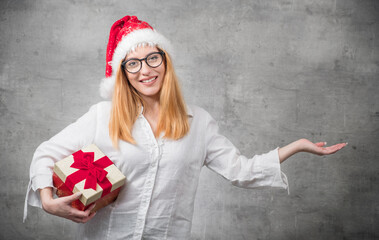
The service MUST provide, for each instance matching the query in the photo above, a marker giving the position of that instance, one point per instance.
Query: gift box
(90, 172)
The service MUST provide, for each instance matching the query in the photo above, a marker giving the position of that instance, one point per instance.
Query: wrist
(46, 205)
(291, 149)
(299, 145)
(46, 196)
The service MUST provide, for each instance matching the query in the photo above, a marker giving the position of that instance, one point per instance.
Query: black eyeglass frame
(143, 59)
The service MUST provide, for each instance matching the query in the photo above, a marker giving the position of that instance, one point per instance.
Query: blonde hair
(127, 103)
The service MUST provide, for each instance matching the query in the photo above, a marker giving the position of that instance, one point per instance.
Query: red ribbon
(92, 171)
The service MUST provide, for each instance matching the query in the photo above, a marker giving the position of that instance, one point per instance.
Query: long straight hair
(127, 103)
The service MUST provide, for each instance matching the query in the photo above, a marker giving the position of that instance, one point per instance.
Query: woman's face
(147, 81)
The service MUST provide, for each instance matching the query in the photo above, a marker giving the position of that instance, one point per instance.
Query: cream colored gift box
(62, 170)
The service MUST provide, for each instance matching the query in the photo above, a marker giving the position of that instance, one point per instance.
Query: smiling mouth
(148, 80)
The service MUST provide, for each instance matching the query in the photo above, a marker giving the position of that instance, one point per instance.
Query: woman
(156, 140)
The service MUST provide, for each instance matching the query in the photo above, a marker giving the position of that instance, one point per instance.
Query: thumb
(320, 144)
(73, 197)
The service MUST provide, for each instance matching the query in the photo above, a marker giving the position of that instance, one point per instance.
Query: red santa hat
(126, 34)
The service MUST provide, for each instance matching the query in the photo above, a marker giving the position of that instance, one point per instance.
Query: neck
(151, 106)
(151, 113)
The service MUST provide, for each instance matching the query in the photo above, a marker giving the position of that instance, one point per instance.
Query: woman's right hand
(62, 206)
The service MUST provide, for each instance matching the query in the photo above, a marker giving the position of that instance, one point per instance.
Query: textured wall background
(270, 71)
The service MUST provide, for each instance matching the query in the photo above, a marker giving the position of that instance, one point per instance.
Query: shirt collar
(189, 111)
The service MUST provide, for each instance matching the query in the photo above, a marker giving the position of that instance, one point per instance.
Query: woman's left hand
(304, 145)
(319, 148)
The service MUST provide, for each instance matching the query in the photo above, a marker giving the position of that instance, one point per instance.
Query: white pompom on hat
(126, 34)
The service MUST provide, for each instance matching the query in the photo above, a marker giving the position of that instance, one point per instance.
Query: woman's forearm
(289, 150)
(46, 195)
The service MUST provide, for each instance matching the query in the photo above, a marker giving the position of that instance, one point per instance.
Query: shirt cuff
(32, 194)
(273, 168)
(41, 181)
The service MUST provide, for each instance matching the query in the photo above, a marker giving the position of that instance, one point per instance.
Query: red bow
(92, 171)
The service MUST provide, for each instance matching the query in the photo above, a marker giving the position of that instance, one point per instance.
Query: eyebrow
(140, 58)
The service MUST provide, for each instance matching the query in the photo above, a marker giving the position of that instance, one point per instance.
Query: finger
(84, 219)
(320, 144)
(339, 145)
(77, 220)
(72, 197)
(89, 217)
(75, 213)
(88, 211)
(334, 148)
(330, 150)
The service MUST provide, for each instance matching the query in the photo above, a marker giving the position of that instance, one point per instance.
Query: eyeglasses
(134, 65)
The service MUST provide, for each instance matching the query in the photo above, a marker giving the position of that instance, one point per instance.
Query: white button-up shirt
(162, 175)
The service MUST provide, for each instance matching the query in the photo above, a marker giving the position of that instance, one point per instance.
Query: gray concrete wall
(270, 71)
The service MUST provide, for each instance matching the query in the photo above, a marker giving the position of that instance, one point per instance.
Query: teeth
(149, 80)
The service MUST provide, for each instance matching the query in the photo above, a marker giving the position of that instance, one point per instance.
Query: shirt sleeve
(225, 159)
(72, 138)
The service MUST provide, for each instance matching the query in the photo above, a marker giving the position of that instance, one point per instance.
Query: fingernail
(347, 143)
(325, 143)
(78, 194)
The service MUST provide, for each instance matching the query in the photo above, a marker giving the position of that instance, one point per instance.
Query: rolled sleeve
(70, 139)
(225, 159)
(271, 164)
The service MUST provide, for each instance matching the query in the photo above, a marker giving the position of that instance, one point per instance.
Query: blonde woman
(156, 140)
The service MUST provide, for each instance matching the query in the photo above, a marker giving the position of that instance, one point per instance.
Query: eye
(132, 63)
(153, 58)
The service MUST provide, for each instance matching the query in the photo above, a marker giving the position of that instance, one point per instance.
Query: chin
(150, 94)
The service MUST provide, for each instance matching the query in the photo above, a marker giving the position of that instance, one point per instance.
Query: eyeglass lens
(152, 60)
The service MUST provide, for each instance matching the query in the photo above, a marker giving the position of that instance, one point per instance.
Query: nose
(145, 69)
